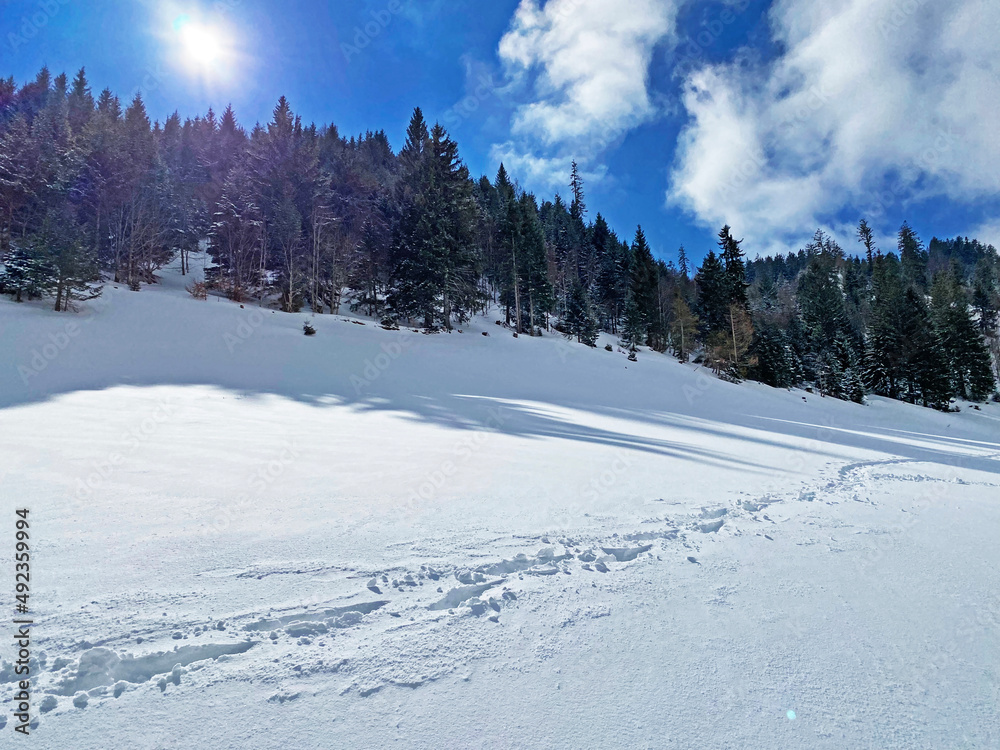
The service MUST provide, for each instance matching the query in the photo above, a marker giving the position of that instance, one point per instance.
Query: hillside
(246, 537)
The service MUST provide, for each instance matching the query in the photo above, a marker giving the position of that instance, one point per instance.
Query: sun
(201, 44)
(204, 49)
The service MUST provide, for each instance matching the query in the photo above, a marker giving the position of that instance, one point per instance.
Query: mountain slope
(318, 531)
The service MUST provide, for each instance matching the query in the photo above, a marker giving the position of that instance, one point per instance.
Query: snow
(246, 537)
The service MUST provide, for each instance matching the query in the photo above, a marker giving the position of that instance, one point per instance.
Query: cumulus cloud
(584, 65)
(873, 103)
(988, 232)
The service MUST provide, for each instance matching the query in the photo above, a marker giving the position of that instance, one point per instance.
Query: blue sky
(776, 116)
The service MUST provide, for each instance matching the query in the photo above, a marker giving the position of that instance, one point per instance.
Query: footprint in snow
(693, 560)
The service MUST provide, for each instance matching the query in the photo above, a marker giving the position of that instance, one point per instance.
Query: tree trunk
(732, 323)
(517, 286)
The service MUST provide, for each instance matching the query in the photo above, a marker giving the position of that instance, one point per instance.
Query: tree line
(308, 219)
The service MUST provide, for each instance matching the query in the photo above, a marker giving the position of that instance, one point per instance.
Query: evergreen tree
(774, 361)
(713, 293)
(886, 347)
(866, 236)
(75, 274)
(965, 352)
(578, 210)
(534, 268)
(683, 264)
(913, 258)
(986, 295)
(926, 365)
(580, 321)
(509, 241)
(736, 274)
(436, 266)
(644, 324)
(28, 272)
(81, 104)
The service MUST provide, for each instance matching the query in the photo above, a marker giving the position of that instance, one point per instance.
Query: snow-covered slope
(246, 537)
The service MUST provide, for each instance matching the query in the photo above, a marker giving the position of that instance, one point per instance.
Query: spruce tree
(926, 370)
(713, 293)
(986, 295)
(913, 258)
(534, 268)
(683, 264)
(964, 349)
(774, 361)
(736, 275)
(644, 300)
(885, 351)
(436, 269)
(580, 321)
(578, 210)
(29, 272)
(866, 236)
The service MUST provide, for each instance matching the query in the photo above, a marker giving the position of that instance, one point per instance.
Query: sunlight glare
(204, 49)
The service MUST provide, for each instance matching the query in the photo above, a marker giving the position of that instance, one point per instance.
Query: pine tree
(74, 263)
(578, 210)
(986, 295)
(580, 321)
(913, 258)
(964, 349)
(644, 308)
(926, 367)
(237, 235)
(774, 362)
(534, 267)
(436, 264)
(509, 242)
(21, 181)
(736, 274)
(614, 281)
(633, 326)
(885, 351)
(866, 236)
(81, 104)
(713, 293)
(28, 273)
(683, 264)
(820, 294)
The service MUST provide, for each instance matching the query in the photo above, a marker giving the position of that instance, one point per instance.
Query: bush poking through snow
(308, 330)
(198, 290)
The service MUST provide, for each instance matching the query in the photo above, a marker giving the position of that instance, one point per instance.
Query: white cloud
(532, 169)
(988, 232)
(874, 102)
(585, 64)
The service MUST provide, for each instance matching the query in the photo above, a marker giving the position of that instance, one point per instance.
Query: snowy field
(244, 537)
